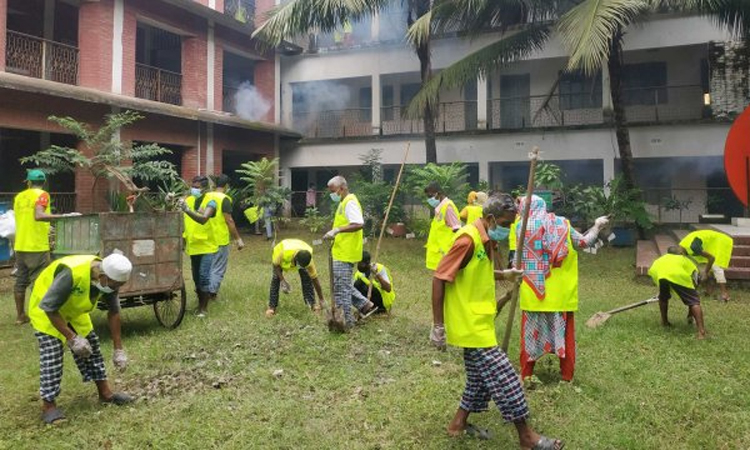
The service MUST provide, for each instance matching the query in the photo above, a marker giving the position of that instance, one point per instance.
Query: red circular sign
(737, 156)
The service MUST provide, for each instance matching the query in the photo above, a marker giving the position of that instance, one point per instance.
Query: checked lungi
(489, 375)
(51, 364)
(308, 294)
(344, 293)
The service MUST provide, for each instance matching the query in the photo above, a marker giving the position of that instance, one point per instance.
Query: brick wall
(219, 78)
(194, 75)
(265, 73)
(91, 193)
(3, 30)
(129, 31)
(95, 27)
(262, 7)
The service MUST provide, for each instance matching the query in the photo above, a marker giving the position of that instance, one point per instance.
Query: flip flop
(546, 443)
(53, 417)
(118, 398)
(477, 432)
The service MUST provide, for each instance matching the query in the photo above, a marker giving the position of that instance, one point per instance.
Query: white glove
(511, 274)
(80, 347)
(182, 204)
(72, 214)
(331, 234)
(285, 287)
(437, 337)
(240, 243)
(120, 359)
(601, 222)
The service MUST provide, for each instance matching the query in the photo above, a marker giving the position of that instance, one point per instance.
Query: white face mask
(103, 289)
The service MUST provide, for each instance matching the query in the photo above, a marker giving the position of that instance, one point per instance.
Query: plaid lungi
(51, 364)
(489, 375)
(344, 292)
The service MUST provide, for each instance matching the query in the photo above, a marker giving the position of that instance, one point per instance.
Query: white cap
(117, 267)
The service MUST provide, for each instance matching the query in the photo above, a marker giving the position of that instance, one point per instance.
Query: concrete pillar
(608, 169)
(3, 32)
(484, 170)
(117, 47)
(482, 93)
(606, 94)
(209, 149)
(277, 90)
(375, 28)
(287, 114)
(376, 97)
(49, 20)
(210, 65)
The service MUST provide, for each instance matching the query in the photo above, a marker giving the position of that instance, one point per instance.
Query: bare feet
(701, 336)
(22, 320)
(666, 324)
(270, 312)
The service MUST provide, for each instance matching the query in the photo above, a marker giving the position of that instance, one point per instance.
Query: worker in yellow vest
(382, 293)
(200, 239)
(549, 292)
(445, 222)
(463, 314)
(288, 255)
(714, 249)
(347, 249)
(675, 273)
(224, 228)
(31, 245)
(63, 296)
(473, 210)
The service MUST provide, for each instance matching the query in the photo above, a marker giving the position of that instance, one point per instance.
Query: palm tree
(297, 17)
(592, 31)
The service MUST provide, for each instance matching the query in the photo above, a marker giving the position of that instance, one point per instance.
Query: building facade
(189, 67)
(345, 93)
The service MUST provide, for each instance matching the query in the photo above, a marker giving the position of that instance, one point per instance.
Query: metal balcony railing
(157, 84)
(242, 10)
(334, 124)
(39, 58)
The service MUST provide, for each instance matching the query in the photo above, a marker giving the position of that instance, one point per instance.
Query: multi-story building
(345, 93)
(180, 63)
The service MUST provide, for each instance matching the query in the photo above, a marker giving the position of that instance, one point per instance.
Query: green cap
(35, 175)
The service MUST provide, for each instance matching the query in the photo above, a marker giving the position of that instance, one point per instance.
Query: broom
(601, 318)
(385, 223)
(519, 247)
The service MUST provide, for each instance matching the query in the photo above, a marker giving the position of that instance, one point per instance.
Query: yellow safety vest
(474, 212)
(675, 268)
(717, 244)
(347, 247)
(253, 213)
(200, 239)
(218, 222)
(76, 309)
(512, 238)
(31, 235)
(388, 297)
(288, 249)
(561, 287)
(441, 237)
(470, 306)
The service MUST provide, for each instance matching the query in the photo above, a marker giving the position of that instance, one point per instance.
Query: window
(387, 103)
(365, 104)
(578, 91)
(644, 84)
(408, 91)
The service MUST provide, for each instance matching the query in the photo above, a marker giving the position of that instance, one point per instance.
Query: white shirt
(353, 213)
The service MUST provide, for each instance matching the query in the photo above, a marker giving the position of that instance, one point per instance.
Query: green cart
(153, 243)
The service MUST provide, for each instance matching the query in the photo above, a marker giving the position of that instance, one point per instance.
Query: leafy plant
(261, 186)
(623, 205)
(109, 157)
(548, 176)
(673, 203)
(374, 193)
(313, 220)
(452, 178)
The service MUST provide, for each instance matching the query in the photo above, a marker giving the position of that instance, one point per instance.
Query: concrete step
(738, 273)
(680, 234)
(739, 261)
(663, 242)
(646, 253)
(741, 250)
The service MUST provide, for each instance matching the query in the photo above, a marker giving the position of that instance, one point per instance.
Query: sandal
(118, 398)
(546, 443)
(477, 432)
(53, 417)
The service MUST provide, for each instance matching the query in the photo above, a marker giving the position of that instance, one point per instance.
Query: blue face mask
(335, 197)
(432, 201)
(499, 233)
(195, 192)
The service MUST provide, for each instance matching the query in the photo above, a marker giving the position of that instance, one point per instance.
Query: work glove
(120, 360)
(72, 214)
(182, 204)
(511, 274)
(437, 337)
(601, 222)
(331, 234)
(285, 287)
(240, 243)
(80, 347)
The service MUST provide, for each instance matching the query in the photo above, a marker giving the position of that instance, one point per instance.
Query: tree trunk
(622, 132)
(425, 66)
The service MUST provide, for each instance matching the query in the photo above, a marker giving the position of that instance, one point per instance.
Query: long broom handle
(519, 247)
(388, 212)
(633, 305)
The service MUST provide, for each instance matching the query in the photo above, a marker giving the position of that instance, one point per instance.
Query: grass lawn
(209, 384)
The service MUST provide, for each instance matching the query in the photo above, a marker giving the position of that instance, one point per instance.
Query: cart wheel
(170, 311)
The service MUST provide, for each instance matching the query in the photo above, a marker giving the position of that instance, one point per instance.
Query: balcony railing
(40, 58)
(334, 124)
(157, 84)
(229, 99)
(242, 10)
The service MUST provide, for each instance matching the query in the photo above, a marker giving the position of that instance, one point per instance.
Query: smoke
(318, 96)
(250, 103)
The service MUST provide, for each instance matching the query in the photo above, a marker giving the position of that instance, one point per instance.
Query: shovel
(600, 318)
